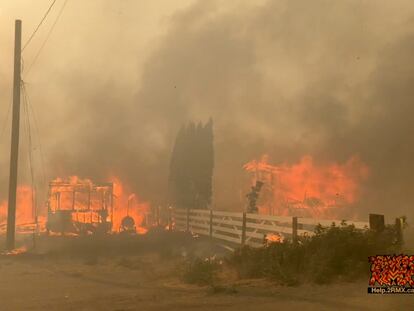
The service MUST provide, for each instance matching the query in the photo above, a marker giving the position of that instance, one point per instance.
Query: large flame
(25, 211)
(128, 204)
(308, 189)
(86, 205)
(82, 197)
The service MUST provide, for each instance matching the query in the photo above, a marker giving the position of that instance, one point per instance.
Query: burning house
(80, 206)
(308, 189)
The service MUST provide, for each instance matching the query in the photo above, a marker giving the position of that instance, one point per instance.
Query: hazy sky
(116, 80)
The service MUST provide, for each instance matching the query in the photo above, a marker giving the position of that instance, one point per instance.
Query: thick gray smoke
(327, 78)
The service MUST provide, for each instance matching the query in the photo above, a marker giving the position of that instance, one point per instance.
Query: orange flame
(15, 252)
(306, 188)
(124, 204)
(128, 205)
(80, 196)
(274, 238)
(25, 214)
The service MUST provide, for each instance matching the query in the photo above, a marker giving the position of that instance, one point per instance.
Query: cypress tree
(191, 166)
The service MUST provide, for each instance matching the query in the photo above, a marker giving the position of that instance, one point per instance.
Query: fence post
(399, 224)
(244, 223)
(188, 220)
(376, 222)
(211, 224)
(294, 230)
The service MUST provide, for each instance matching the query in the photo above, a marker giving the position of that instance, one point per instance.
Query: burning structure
(75, 205)
(79, 206)
(307, 189)
(27, 217)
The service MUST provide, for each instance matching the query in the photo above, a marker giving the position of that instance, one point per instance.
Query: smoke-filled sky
(116, 80)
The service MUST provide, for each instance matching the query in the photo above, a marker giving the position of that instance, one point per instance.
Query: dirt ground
(108, 278)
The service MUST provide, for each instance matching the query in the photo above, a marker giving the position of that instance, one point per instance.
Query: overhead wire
(38, 26)
(39, 143)
(27, 107)
(32, 112)
(47, 37)
(29, 110)
(27, 128)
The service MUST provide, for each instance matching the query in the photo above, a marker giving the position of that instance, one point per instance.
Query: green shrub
(335, 252)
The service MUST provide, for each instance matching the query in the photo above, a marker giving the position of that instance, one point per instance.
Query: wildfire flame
(308, 189)
(124, 203)
(274, 238)
(25, 213)
(128, 205)
(15, 252)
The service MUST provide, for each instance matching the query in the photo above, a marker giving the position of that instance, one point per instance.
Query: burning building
(79, 206)
(307, 189)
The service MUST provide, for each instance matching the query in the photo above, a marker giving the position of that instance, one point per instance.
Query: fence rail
(249, 229)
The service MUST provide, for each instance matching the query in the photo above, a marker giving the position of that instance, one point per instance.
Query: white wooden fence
(248, 229)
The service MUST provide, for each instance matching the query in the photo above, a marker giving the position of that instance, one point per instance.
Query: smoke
(286, 78)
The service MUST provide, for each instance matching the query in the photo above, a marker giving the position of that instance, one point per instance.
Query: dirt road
(148, 282)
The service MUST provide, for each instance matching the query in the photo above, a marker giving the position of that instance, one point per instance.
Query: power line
(26, 127)
(42, 156)
(38, 26)
(47, 37)
(29, 108)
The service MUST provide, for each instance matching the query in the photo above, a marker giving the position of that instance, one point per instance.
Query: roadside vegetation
(335, 253)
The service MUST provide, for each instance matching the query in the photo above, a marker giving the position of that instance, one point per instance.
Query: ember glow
(274, 238)
(14, 252)
(307, 189)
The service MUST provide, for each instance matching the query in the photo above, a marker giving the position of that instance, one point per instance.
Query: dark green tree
(191, 166)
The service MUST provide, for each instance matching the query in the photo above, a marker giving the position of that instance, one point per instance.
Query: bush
(336, 252)
(278, 261)
(200, 271)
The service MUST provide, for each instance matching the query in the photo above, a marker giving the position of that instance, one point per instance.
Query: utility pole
(14, 152)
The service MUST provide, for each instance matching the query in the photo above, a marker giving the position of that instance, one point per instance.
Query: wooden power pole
(14, 152)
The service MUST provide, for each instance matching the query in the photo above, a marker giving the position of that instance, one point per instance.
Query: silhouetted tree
(191, 166)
